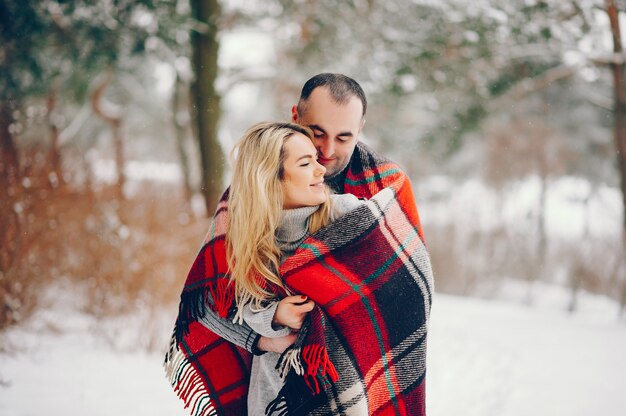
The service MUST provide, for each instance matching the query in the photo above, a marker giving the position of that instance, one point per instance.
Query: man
(333, 106)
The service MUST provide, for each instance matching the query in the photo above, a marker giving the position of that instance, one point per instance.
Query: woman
(277, 198)
(361, 266)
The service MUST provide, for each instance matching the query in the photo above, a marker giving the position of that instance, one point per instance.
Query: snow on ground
(64, 362)
(505, 359)
(484, 358)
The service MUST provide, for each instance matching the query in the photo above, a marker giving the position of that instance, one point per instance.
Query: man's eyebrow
(316, 127)
(343, 133)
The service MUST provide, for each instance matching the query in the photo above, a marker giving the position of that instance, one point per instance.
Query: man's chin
(332, 170)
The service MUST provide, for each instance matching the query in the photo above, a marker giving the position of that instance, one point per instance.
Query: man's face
(335, 128)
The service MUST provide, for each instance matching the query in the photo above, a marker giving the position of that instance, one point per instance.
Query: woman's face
(303, 180)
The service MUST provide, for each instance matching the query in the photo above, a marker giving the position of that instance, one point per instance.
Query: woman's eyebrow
(305, 157)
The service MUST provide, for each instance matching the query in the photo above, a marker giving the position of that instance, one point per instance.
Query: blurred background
(116, 118)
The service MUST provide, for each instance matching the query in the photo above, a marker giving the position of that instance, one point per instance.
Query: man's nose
(326, 148)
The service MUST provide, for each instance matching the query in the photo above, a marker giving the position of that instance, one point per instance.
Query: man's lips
(323, 160)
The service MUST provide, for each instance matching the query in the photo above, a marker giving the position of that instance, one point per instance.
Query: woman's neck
(294, 227)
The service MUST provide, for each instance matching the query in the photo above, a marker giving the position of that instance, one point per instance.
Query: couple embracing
(311, 293)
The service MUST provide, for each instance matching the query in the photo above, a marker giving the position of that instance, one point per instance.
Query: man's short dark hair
(341, 88)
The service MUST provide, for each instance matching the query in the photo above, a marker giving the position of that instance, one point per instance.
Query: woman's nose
(321, 169)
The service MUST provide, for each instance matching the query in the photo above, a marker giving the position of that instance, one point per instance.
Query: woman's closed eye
(308, 160)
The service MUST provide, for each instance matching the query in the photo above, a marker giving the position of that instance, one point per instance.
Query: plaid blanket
(362, 349)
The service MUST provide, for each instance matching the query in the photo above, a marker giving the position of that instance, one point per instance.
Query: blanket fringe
(295, 398)
(186, 382)
(318, 366)
(223, 294)
(290, 359)
(193, 304)
(277, 407)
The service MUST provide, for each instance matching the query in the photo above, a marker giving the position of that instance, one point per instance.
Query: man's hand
(292, 311)
(278, 345)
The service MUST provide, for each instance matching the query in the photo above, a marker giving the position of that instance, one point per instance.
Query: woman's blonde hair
(254, 206)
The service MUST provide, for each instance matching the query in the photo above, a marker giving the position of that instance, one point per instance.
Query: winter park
(431, 218)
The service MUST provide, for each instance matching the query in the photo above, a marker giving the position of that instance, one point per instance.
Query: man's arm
(243, 336)
(240, 335)
(278, 345)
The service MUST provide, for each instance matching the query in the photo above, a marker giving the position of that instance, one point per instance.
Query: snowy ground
(505, 359)
(485, 358)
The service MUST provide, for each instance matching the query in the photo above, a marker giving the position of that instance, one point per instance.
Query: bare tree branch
(531, 85)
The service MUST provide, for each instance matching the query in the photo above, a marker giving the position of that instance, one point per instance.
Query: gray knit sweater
(242, 335)
(265, 382)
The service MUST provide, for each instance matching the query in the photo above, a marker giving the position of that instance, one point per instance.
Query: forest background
(116, 116)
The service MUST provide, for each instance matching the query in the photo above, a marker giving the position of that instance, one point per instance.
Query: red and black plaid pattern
(374, 285)
(370, 276)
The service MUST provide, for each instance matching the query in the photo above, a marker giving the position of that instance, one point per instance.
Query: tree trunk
(180, 123)
(581, 261)
(10, 177)
(542, 244)
(622, 302)
(620, 112)
(112, 116)
(54, 155)
(118, 145)
(206, 101)
(538, 247)
(9, 160)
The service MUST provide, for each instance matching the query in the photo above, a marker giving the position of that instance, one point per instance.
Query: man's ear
(294, 114)
(362, 123)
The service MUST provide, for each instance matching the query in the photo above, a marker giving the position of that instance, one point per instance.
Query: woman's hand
(292, 311)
